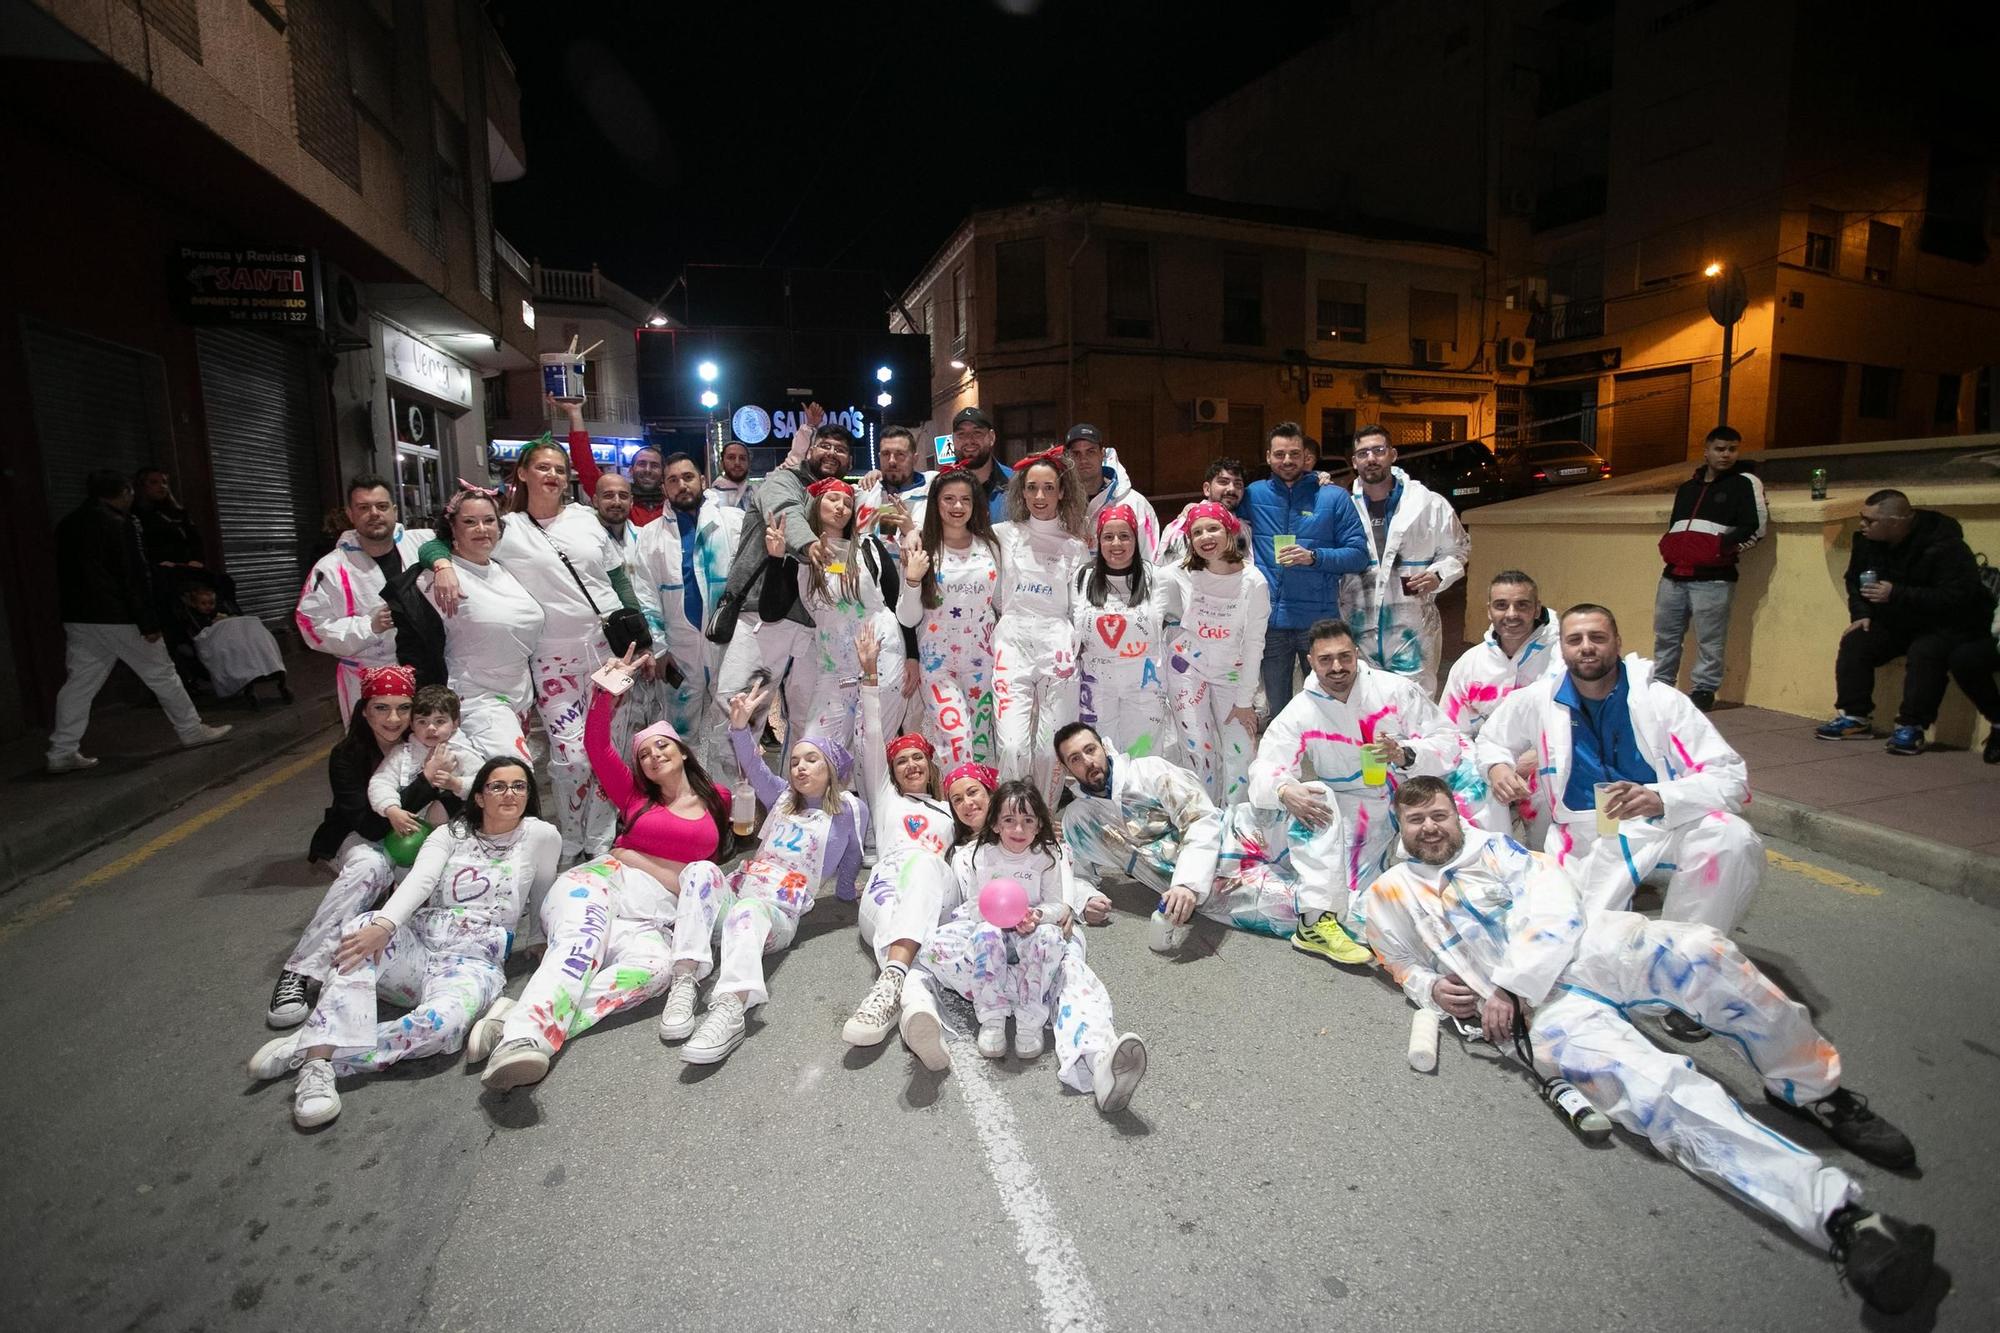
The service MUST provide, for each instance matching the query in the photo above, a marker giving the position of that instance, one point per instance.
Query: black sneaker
(1991, 754)
(1885, 1259)
(1684, 1027)
(289, 1003)
(1847, 1121)
(1702, 699)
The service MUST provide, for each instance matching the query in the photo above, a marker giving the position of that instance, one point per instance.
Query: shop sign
(423, 367)
(240, 285)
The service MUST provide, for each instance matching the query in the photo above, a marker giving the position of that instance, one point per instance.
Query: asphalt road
(1281, 1167)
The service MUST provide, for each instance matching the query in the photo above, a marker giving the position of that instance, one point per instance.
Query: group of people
(999, 688)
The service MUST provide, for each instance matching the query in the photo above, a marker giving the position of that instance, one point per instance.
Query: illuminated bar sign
(243, 285)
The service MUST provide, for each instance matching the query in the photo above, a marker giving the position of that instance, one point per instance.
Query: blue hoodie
(1323, 519)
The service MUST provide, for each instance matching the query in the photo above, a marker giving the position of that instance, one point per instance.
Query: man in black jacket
(109, 616)
(1913, 591)
(1718, 514)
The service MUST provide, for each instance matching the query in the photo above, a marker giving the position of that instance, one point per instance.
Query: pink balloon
(1003, 902)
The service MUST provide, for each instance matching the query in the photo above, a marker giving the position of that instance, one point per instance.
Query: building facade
(584, 310)
(261, 256)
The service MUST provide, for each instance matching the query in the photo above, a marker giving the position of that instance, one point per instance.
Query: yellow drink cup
(1607, 827)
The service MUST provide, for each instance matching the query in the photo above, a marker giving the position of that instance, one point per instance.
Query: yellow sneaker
(1327, 938)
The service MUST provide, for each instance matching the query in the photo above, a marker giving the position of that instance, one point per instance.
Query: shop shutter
(260, 438)
(1649, 419)
(96, 405)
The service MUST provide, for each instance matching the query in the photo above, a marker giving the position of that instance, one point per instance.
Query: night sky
(667, 132)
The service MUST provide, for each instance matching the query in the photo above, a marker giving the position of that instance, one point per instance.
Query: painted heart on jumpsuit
(1111, 629)
(914, 825)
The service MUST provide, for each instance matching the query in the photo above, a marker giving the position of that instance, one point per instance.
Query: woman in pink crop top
(609, 921)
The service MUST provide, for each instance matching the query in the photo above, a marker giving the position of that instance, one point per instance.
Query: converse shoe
(1907, 740)
(73, 762)
(1885, 1259)
(921, 1031)
(289, 1002)
(208, 736)
(1684, 1026)
(485, 1034)
(1703, 700)
(1028, 1040)
(274, 1058)
(1845, 728)
(516, 1064)
(722, 1030)
(875, 1019)
(1163, 936)
(1115, 1074)
(314, 1099)
(992, 1040)
(677, 1019)
(1847, 1121)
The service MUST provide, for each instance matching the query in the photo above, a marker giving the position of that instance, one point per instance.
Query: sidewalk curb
(74, 825)
(1955, 870)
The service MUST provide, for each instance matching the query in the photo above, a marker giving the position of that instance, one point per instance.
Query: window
(1128, 290)
(1343, 311)
(1243, 300)
(449, 131)
(1020, 291)
(1881, 390)
(1336, 431)
(1433, 316)
(1025, 428)
(496, 397)
(958, 305)
(1823, 240)
(1945, 412)
(1883, 242)
(371, 67)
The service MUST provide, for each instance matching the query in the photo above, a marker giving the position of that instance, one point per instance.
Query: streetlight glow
(1714, 269)
(883, 374)
(883, 399)
(658, 321)
(957, 364)
(708, 398)
(707, 371)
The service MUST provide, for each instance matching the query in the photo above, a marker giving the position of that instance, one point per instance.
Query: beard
(1596, 671)
(685, 502)
(1444, 855)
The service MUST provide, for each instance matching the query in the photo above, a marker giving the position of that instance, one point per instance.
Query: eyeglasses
(1371, 451)
(515, 788)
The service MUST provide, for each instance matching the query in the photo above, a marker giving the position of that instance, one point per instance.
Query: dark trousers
(1974, 665)
(1926, 672)
(1284, 657)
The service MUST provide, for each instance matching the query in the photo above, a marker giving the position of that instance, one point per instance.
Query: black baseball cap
(974, 416)
(1083, 430)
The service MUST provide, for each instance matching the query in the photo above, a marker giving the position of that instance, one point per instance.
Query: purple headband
(836, 754)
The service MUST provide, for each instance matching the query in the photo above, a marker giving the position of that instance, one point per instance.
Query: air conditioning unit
(1430, 351)
(1516, 353)
(1211, 411)
(343, 309)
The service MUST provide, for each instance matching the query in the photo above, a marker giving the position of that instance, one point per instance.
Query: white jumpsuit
(1034, 658)
(1047, 980)
(1503, 918)
(1394, 630)
(955, 650)
(489, 654)
(1212, 666)
(1121, 689)
(1322, 732)
(1713, 859)
(1482, 676)
(911, 890)
(660, 567)
(834, 710)
(336, 611)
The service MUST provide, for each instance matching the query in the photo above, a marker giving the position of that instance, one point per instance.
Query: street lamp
(658, 321)
(883, 374)
(1727, 300)
(709, 399)
(883, 399)
(707, 371)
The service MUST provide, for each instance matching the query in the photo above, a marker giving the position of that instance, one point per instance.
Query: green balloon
(402, 847)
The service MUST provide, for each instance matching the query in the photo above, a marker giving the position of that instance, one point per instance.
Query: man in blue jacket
(1304, 537)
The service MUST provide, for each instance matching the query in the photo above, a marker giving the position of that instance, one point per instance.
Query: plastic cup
(1283, 542)
(1607, 827)
(1374, 768)
(1868, 578)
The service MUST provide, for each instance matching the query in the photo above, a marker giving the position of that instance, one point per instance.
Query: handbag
(1687, 553)
(624, 628)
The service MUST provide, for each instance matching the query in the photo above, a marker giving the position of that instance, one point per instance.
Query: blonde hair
(835, 799)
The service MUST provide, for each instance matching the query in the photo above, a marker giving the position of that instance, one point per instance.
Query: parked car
(1553, 463)
(1466, 474)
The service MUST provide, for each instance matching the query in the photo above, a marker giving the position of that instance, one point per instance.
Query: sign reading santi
(239, 285)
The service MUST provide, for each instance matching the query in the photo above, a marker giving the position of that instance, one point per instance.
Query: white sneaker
(1115, 1074)
(208, 736)
(73, 762)
(1163, 936)
(314, 1100)
(920, 1028)
(875, 1019)
(485, 1034)
(722, 1030)
(1028, 1042)
(992, 1040)
(516, 1064)
(274, 1058)
(677, 1019)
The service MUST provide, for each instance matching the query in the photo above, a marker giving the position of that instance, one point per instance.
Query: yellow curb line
(1833, 879)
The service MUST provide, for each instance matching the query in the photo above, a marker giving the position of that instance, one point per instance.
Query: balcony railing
(1568, 320)
(611, 407)
(566, 284)
(513, 259)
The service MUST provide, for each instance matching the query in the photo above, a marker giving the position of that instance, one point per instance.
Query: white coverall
(911, 890)
(405, 763)
(1121, 689)
(1504, 918)
(489, 655)
(1714, 859)
(1118, 490)
(1394, 630)
(1034, 656)
(1213, 667)
(1049, 981)
(955, 650)
(1156, 825)
(1482, 676)
(697, 709)
(834, 710)
(1317, 730)
(337, 607)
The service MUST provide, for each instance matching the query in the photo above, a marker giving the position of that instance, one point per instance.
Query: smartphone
(612, 680)
(670, 672)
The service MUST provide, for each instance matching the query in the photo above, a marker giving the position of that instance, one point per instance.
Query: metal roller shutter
(255, 390)
(1649, 420)
(96, 405)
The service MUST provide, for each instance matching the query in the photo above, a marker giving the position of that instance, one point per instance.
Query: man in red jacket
(1718, 514)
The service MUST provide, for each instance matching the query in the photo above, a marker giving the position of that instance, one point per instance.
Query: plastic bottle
(1591, 1124)
(1424, 1040)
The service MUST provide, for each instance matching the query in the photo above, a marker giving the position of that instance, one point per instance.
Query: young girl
(911, 890)
(847, 585)
(437, 946)
(814, 830)
(350, 836)
(608, 921)
(1034, 658)
(1224, 607)
(1119, 618)
(1036, 969)
(949, 573)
